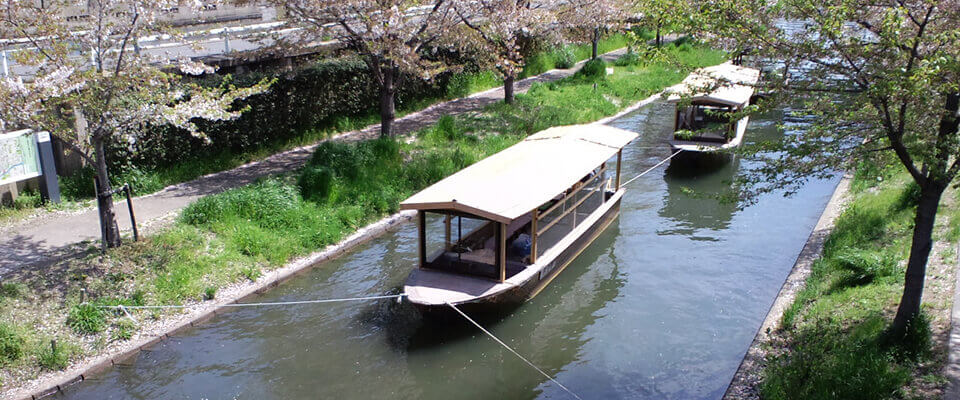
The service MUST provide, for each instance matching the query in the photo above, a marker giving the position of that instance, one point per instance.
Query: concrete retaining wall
(745, 381)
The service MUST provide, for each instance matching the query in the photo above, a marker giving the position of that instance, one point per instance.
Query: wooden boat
(500, 230)
(706, 102)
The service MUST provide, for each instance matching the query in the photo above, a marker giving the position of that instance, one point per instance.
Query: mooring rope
(651, 168)
(124, 308)
(513, 351)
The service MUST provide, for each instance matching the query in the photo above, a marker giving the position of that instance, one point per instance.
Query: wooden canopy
(728, 84)
(524, 176)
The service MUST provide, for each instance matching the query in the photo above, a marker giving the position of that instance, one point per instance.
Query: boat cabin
(706, 102)
(494, 222)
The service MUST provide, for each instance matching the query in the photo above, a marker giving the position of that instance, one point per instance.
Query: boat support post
(447, 218)
(619, 158)
(533, 235)
(502, 250)
(422, 237)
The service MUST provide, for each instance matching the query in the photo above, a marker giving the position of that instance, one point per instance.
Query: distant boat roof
(731, 85)
(524, 176)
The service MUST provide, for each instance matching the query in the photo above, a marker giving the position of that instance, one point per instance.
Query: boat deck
(432, 287)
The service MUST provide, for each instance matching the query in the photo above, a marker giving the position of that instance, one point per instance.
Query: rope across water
(651, 168)
(280, 303)
(513, 351)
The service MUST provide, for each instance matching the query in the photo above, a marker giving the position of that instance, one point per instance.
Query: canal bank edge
(952, 369)
(201, 312)
(744, 383)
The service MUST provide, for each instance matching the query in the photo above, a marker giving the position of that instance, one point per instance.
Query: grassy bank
(235, 236)
(832, 343)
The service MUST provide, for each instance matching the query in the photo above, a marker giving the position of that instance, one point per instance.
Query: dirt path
(50, 239)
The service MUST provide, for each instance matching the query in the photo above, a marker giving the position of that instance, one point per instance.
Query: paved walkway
(51, 239)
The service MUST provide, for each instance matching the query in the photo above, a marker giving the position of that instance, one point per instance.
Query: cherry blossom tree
(586, 19)
(660, 14)
(90, 85)
(391, 35)
(501, 26)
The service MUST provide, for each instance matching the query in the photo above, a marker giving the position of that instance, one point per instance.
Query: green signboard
(19, 158)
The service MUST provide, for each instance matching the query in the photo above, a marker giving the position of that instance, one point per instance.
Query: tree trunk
(508, 88)
(930, 193)
(596, 41)
(108, 218)
(659, 39)
(917, 263)
(387, 107)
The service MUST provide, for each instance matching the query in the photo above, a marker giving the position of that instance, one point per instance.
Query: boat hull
(548, 271)
(693, 146)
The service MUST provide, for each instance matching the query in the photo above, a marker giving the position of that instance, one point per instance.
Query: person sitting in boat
(521, 245)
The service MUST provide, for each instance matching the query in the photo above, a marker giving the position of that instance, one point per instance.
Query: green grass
(123, 329)
(565, 56)
(55, 356)
(834, 341)
(12, 343)
(465, 84)
(86, 319)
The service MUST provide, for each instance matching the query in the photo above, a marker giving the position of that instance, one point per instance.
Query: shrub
(859, 223)
(55, 357)
(12, 343)
(446, 129)
(86, 319)
(251, 272)
(864, 266)
(315, 182)
(628, 59)
(593, 69)
(916, 343)
(537, 64)
(685, 40)
(263, 201)
(909, 196)
(343, 159)
(13, 290)
(643, 33)
(79, 185)
(123, 330)
(27, 199)
(209, 293)
(564, 58)
(465, 84)
(138, 298)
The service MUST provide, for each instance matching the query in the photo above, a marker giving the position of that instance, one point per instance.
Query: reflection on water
(662, 305)
(693, 186)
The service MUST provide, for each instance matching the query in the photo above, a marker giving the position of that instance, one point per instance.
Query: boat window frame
(500, 251)
(599, 174)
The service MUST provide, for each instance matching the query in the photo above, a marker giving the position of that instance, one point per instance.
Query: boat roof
(732, 85)
(524, 176)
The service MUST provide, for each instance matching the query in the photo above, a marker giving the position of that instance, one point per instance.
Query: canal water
(662, 306)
